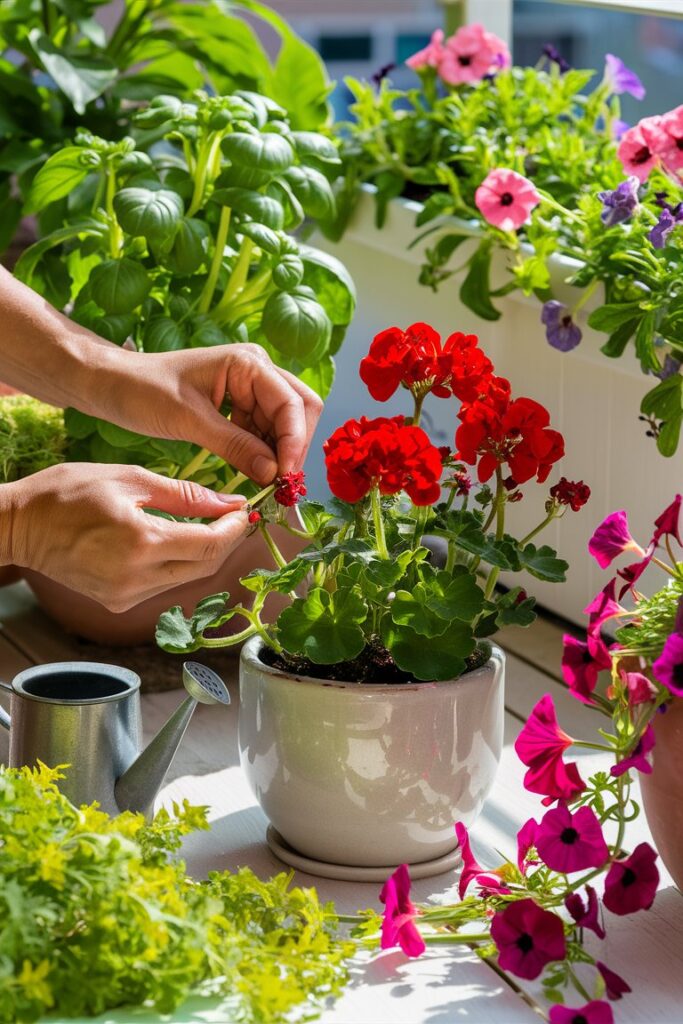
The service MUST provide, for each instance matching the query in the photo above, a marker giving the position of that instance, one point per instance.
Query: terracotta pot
(365, 775)
(662, 791)
(86, 618)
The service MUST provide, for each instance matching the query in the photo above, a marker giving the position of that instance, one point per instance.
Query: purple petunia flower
(668, 668)
(668, 219)
(619, 128)
(553, 54)
(670, 366)
(560, 330)
(619, 204)
(621, 79)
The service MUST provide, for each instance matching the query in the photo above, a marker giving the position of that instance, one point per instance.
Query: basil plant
(192, 245)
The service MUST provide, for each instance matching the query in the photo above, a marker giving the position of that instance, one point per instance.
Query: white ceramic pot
(369, 775)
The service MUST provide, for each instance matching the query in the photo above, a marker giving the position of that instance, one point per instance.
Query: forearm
(44, 354)
(10, 501)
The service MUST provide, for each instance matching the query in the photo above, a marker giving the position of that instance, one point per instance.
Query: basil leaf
(154, 213)
(58, 176)
(81, 78)
(313, 191)
(266, 152)
(118, 286)
(264, 209)
(476, 289)
(162, 334)
(296, 326)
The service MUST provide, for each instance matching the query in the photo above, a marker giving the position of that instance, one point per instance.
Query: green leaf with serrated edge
(386, 573)
(511, 611)
(82, 78)
(452, 596)
(314, 516)
(612, 316)
(358, 548)
(281, 580)
(324, 627)
(118, 286)
(410, 609)
(154, 213)
(433, 659)
(475, 289)
(543, 563)
(177, 633)
(58, 177)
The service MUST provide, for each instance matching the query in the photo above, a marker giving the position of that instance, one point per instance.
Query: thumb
(186, 498)
(240, 448)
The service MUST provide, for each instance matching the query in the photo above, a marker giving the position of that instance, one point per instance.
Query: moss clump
(32, 437)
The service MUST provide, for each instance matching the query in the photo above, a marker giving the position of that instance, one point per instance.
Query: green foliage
(98, 912)
(653, 622)
(168, 252)
(32, 437)
(542, 125)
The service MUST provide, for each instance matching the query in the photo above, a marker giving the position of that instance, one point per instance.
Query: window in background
(345, 48)
(652, 45)
(408, 44)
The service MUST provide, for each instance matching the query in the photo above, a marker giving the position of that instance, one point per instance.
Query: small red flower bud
(289, 488)
(444, 452)
(255, 516)
(568, 492)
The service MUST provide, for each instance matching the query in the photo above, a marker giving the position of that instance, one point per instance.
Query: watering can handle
(4, 717)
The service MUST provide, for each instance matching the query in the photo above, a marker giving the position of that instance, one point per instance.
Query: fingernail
(264, 469)
(231, 499)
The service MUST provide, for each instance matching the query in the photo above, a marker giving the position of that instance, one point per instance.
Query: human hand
(84, 526)
(177, 395)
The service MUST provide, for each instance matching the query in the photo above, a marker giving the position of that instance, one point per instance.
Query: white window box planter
(593, 400)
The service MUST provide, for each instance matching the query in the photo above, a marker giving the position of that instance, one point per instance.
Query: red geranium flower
(382, 452)
(570, 492)
(289, 488)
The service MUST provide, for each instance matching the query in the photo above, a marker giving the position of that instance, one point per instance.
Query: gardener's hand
(177, 395)
(84, 526)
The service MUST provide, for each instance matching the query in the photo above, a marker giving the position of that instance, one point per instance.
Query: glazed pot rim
(250, 655)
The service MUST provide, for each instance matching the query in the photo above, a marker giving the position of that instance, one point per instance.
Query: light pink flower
(431, 56)
(640, 146)
(505, 199)
(471, 54)
(671, 151)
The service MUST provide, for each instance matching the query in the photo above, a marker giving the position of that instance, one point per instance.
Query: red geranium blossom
(527, 938)
(398, 922)
(497, 431)
(416, 359)
(570, 492)
(289, 488)
(386, 453)
(540, 745)
(631, 884)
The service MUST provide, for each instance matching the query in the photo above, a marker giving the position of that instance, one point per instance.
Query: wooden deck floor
(444, 986)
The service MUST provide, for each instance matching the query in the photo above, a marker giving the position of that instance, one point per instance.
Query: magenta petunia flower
(471, 53)
(668, 668)
(630, 574)
(639, 688)
(398, 921)
(571, 842)
(671, 148)
(638, 758)
(604, 606)
(631, 884)
(586, 916)
(526, 840)
(621, 79)
(581, 667)
(505, 199)
(595, 1012)
(431, 56)
(472, 871)
(611, 538)
(639, 147)
(668, 524)
(540, 745)
(527, 938)
(615, 986)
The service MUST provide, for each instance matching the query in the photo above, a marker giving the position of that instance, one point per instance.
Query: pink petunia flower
(580, 667)
(595, 1012)
(671, 151)
(471, 53)
(668, 668)
(615, 986)
(631, 884)
(571, 842)
(639, 688)
(604, 606)
(630, 574)
(668, 524)
(431, 56)
(611, 538)
(526, 840)
(585, 916)
(472, 871)
(505, 199)
(527, 938)
(398, 921)
(639, 147)
(540, 745)
(638, 758)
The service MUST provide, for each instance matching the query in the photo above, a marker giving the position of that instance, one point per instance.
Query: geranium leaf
(515, 609)
(454, 597)
(543, 563)
(441, 657)
(282, 580)
(178, 633)
(410, 609)
(324, 627)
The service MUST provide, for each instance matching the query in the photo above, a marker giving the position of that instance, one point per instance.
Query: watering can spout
(137, 788)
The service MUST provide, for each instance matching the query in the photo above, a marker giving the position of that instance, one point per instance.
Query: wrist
(10, 504)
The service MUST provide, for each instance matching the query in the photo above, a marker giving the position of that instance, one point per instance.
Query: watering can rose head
(402, 568)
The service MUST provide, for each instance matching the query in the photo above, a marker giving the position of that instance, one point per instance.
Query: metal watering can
(87, 715)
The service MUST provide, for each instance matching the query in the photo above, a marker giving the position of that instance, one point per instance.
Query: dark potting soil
(373, 665)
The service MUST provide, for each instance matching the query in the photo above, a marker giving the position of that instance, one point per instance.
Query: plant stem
(228, 641)
(499, 505)
(445, 940)
(217, 261)
(541, 526)
(261, 495)
(115, 233)
(238, 277)
(417, 412)
(194, 464)
(378, 523)
(234, 483)
(278, 557)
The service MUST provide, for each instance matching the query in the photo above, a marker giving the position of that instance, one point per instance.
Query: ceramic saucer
(351, 872)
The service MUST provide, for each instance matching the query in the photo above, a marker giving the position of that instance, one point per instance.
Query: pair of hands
(84, 525)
